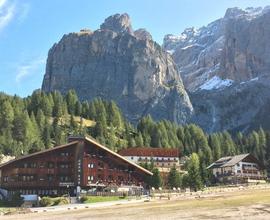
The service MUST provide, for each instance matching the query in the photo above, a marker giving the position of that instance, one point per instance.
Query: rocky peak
(119, 23)
(117, 64)
(248, 13)
(142, 34)
(233, 12)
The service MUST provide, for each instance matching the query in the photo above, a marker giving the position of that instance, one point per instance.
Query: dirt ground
(246, 204)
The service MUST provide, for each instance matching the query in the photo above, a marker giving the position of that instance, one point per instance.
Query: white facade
(162, 163)
(241, 168)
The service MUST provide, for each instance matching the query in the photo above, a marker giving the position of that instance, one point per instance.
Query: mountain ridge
(115, 62)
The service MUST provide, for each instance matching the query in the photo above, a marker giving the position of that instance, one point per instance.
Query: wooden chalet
(83, 163)
(243, 168)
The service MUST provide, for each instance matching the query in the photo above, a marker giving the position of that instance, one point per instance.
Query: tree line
(44, 120)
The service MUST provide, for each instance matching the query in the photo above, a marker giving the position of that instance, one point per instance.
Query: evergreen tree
(139, 140)
(156, 180)
(6, 116)
(214, 143)
(46, 134)
(71, 99)
(174, 179)
(114, 115)
(195, 181)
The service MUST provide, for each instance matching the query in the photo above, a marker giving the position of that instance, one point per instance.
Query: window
(90, 178)
(50, 165)
(64, 154)
(91, 165)
(5, 179)
(50, 177)
(28, 178)
(64, 165)
(64, 178)
(33, 165)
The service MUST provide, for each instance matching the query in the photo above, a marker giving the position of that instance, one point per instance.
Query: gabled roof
(232, 160)
(149, 152)
(75, 142)
(39, 152)
(118, 155)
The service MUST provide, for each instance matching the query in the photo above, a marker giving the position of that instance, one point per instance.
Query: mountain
(233, 48)
(115, 62)
(225, 66)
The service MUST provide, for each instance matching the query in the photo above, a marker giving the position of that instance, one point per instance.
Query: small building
(83, 163)
(243, 168)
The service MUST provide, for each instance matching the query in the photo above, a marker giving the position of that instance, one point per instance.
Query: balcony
(242, 175)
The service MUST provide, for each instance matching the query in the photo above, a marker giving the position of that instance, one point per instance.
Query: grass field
(94, 199)
(243, 204)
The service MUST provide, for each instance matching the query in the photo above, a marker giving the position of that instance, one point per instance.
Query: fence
(168, 194)
(120, 194)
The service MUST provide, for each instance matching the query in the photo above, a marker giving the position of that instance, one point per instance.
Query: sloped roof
(234, 160)
(118, 155)
(231, 161)
(75, 142)
(39, 152)
(149, 152)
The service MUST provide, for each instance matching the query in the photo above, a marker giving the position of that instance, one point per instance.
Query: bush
(83, 199)
(46, 201)
(61, 201)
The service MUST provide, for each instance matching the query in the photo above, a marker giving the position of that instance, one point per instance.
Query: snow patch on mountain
(170, 51)
(216, 83)
(251, 80)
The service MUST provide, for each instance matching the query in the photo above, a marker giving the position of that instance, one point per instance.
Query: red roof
(150, 152)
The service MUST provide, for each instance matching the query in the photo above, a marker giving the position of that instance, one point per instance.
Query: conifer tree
(174, 178)
(195, 181)
(156, 180)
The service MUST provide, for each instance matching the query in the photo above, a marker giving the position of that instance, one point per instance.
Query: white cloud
(7, 12)
(12, 9)
(27, 69)
(2, 3)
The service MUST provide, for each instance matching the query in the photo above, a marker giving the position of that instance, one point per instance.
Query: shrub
(46, 201)
(61, 201)
(84, 199)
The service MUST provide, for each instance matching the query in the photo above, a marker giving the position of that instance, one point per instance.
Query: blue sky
(28, 28)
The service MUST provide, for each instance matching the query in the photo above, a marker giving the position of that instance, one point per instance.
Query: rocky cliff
(226, 68)
(118, 63)
(235, 47)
